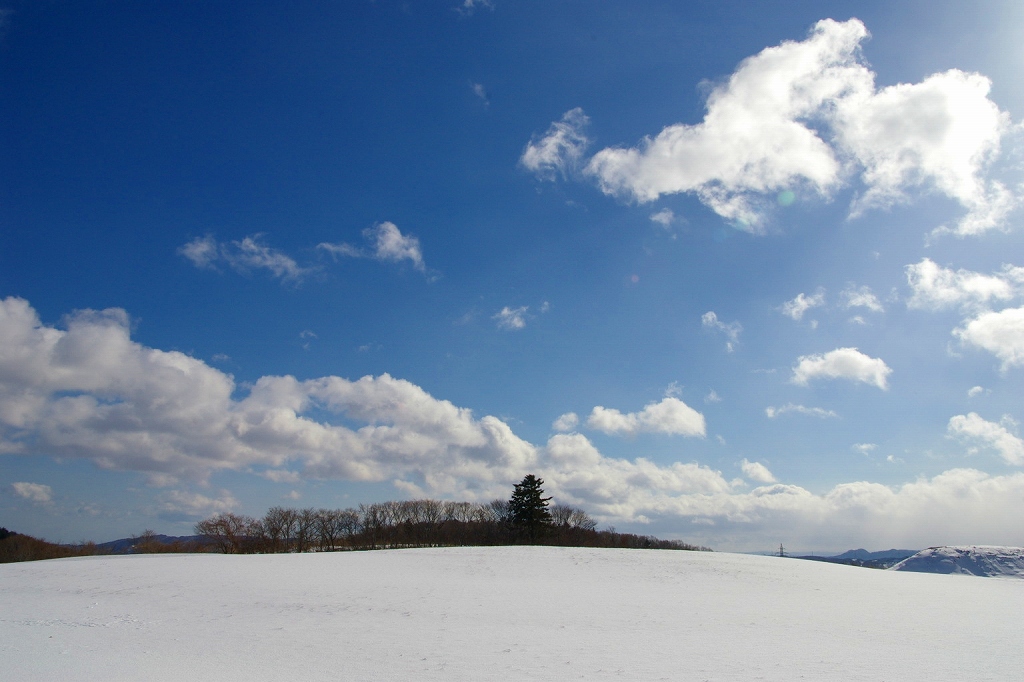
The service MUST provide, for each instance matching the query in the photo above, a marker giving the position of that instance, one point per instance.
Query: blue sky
(734, 273)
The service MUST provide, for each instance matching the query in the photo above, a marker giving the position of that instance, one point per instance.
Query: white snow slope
(528, 613)
(980, 560)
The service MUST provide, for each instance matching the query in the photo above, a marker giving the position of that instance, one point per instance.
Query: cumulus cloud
(386, 243)
(803, 118)
(861, 297)
(34, 492)
(773, 412)
(756, 471)
(936, 288)
(559, 151)
(89, 391)
(842, 363)
(709, 320)
(245, 255)
(796, 308)
(670, 416)
(567, 422)
(1000, 333)
(511, 319)
(972, 428)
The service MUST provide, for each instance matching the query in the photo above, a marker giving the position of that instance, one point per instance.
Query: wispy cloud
(709, 320)
(861, 297)
(244, 255)
(468, 7)
(821, 413)
(665, 217)
(385, 243)
(34, 492)
(511, 319)
(560, 149)
(796, 308)
(481, 92)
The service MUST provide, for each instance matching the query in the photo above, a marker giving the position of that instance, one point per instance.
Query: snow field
(537, 613)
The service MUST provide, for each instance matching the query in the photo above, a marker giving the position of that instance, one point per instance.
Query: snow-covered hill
(979, 560)
(500, 613)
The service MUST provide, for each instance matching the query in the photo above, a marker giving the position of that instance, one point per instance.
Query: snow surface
(980, 560)
(531, 613)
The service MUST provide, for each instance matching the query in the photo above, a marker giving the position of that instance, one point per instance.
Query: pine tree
(528, 508)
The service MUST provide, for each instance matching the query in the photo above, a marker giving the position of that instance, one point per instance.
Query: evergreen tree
(528, 508)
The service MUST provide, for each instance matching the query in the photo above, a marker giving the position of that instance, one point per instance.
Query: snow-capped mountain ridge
(979, 560)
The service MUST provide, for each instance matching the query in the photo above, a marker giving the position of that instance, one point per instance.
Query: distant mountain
(864, 558)
(980, 560)
(128, 545)
(864, 555)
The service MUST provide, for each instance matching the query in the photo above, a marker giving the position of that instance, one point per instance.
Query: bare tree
(305, 529)
(279, 527)
(231, 533)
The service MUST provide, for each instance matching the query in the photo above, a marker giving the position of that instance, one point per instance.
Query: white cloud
(1001, 334)
(842, 363)
(935, 287)
(975, 391)
(803, 118)
(88, 391)
(469, 6)
(956, 506)
(567, 422)
(773, 412)
(941, 132)
(709, 320)
(796, 308)
(243, 256)
(91, 392)
(281, 476)
(712, 397)
(387, 243)
(511, 319)
(559, 151)
(34, 492)
(664, 217)
(864, 448)
(861, 297)
(756, 471)
(671, 416)
(249, 253)
(195, 505)
(202, 251)
(481, 92)
(972, 428)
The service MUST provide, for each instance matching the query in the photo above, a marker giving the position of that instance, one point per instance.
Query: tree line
(526, 518)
